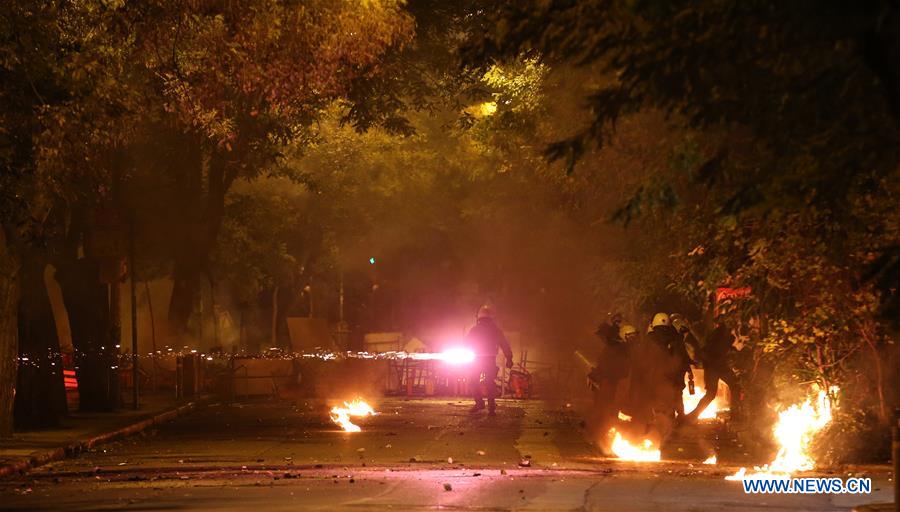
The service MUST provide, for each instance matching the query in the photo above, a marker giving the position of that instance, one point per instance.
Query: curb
(876, 507)
(77, 447)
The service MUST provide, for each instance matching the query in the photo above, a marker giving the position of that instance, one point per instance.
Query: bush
(853, 438)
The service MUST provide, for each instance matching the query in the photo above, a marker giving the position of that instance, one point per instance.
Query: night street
(278, 457)
(468, 254)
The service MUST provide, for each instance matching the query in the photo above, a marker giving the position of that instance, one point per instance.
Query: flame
(712, 410)
(796, 427)
(645, 452)
(711, 460)
(624, 417)
(358, 408)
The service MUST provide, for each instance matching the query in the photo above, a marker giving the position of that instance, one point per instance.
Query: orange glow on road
(643, 452)
(796, 427)
(357, 408)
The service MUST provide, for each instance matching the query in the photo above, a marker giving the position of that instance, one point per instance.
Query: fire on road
(413, 454)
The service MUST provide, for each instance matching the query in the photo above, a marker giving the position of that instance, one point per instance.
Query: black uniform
(613, 365)
(716, 366)
(614, 361)
(609, 332)
(485, 338)
(675, 362)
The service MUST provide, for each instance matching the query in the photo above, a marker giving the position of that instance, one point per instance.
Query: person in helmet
(681, 324)
(485, 338)
(614, 361)
(612, 354)
(673, 363)
(628, 333)
(608, 331)
(613, 366)
(647, 382)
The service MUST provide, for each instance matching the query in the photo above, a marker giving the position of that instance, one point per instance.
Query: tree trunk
(152, 319)
(881, 53)
(110, 349)
(275, 316)
(88, 306)
(203, 207)
(184, 294)
(241, 344)
(9, 333)
(40, 390)
(215, 314)
(868, 335)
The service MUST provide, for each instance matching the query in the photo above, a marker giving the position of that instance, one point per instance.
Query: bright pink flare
(457, 355)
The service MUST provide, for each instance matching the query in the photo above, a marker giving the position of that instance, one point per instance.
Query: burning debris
(794, 432)
(357, 408)
(648, 451)
(643, 452)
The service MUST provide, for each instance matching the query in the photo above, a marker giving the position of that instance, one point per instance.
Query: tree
(787, 162)
(809, 90)
(223, 81)
(35, 48)
(77, 153)
(269, 247)
(241, 79)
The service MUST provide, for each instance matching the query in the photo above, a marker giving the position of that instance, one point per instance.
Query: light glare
(457, 355)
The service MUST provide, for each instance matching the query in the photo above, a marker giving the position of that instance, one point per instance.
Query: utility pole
(342, 328)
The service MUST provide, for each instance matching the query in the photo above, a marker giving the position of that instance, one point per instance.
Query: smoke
(423, 230)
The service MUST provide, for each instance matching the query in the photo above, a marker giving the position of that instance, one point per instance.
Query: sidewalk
(82, 431)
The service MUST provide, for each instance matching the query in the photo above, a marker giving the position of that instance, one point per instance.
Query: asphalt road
(420, 454)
